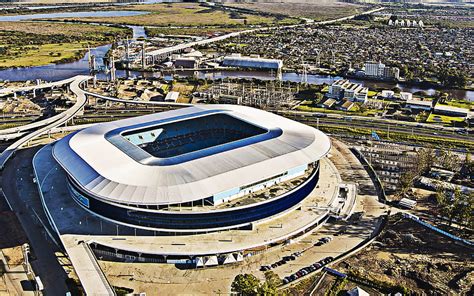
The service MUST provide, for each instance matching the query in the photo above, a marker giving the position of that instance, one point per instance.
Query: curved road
(81, 101)
(10, 132)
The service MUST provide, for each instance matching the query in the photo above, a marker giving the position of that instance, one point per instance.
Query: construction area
(409, 257)
(261, 96)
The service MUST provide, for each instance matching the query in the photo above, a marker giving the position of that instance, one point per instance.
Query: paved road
(21, 193)
(23, 197)
(26, 127)
(433, 132)
(81, 101)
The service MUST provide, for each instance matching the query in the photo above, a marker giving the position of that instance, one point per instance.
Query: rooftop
(186, 154)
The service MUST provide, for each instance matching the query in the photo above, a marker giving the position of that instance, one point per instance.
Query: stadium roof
(105, 164)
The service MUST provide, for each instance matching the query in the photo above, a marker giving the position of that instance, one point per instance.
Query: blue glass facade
(197, 221)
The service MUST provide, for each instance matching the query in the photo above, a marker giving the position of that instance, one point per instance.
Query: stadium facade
(196, 169)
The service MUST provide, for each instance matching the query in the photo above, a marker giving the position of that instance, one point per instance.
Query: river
(62, 71)
(329, 79)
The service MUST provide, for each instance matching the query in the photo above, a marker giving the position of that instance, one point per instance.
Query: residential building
(387, 94)
(346, 106)
(419, 105)
(406, 96)
(451, 111)
(391, 73)
(374, 69)
(379, 70)
(344, 89)
(328, 103)
(172, 96)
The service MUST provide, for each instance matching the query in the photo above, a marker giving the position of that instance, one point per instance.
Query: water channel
(54, 72)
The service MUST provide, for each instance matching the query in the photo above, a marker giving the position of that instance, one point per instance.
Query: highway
(81, 101)
(5, 134)
(177, 48)
(400, 127)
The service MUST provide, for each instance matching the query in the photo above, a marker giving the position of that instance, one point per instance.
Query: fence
(436, 229)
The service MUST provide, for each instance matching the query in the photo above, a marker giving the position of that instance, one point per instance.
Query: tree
(249, 285)
(451, 77)
(456, 205)
(425, 160)
(269, 287)
(245, 285)
(448, 160)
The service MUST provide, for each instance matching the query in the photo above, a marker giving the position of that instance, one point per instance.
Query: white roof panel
(109, 167)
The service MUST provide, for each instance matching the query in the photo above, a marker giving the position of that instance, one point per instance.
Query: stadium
(193, 170)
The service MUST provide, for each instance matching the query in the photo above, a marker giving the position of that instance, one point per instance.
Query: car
(278, 263)
(265, 268)
(320, 243)
(330, 258)
(326, 239)
(299, 273)
(273, 265)
(317, 265)
(293, 277)
(285, 281)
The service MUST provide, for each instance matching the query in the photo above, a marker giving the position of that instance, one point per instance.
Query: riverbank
(28, 44)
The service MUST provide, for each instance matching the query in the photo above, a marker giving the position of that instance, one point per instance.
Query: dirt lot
(407, 258)
(13, 255)
(409, 255)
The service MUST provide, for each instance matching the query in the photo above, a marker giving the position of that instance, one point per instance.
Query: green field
(26, 44)
(435, 118)
(188, 14)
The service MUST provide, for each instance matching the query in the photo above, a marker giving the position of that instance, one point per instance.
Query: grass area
(25, 44)
(435, 118)
(187, 14)
(371, 93)
(440, 142)
(353, 111)
(460, 104)
(44, 54)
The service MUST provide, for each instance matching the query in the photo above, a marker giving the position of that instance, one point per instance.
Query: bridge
(53, 122)
(160, 54)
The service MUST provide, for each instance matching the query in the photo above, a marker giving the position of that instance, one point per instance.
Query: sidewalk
(13, 279)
